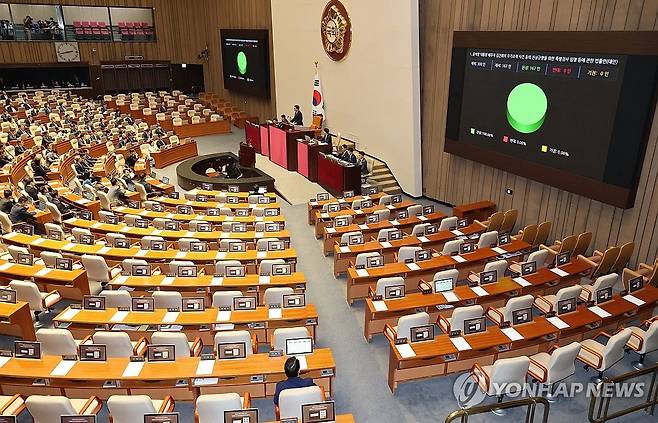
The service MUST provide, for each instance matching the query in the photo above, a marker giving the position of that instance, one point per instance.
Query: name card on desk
(395, 223)
(512, 334)
(141, 253)
(63, 368)
(69, 314)
(561, 273)
(38, 241)
(168, 280)
(181, 254)
(43, 272)
(121, 279)
(205, 367)
(344, 249)
(557, 322)
(216, 280)
(423, 239)
(450, 297)
(457, 233)
(103, 250)
(264, 280)
(170, 317)
(459, 259)
(133, 369)
(223, 315)
(274, 313)
(413, 266)
(479, 291)
(324, 215)
(405, 350)
(4, 360)
(330, 230)
(386, 244)
(119, 316)
(522, 282)
(499, 250)
(380, 305)
(221, 255)
(460, 343)
(633, 299)
(362, 272)
(599, 312)
(6, 266)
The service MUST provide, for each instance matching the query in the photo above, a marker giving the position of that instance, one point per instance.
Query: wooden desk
(337, 177)
(544, 282)
(307, 157)
(323, 219)
(357, 286)
(71, 284)
(16, 320)
(432, 358)
(480, 210)
(160, 379)
(204, 128)
(175, 154)
(197, 324)
(76, 200)
(314, 206)
(283, 145)
(148, 214)
(158, 184)
(242, 195)
(340, 418)
(204, 205)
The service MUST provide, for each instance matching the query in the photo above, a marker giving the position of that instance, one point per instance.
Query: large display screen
(577, 121)
(245, 59)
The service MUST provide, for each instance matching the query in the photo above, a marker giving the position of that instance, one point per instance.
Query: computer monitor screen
(157, 245)
(355, 239)
(161, 418)
(25, 259)
(504, 238)
(141, 223)
(143, 304)
(372, 190)
(237, 247)
(489, 276)
(7, 296)
(79, 418)
(428, 209)
(443, 285)
(187, 271)
(348, 194)
(157, 207)
(241, 416)
(93, 302)
(397, 198)
(528, 268)
(263, 200)
(431, 229)
(244, 303)
(204, 227)
(165, 180)
(635, 284)
(341, 221)
(322, 196)
(54, 235)
(422, 333)
(272, 227)
(318, 413)
(93, 352)
(175, 195)
(121, 243)
(603, 295)
(462, 223)
(280, 269)
(476, 325)
(161, 352)
(375, 261)
(232, 199)
(207, 186)
(87, 239)
(27, 349)
(63, 263)
(294, 300)
(245, 59)
(395, 235)
(299, 346)
(238, 227)
(201, 198)
(422, 255)
(231, 350)
(23, 228)
(233, 188)
(235, 271)
(394, 291)
(562, 258)
(193, 304)
(213, 212)
(466, 247)
(270, 212)
(521, 316)
(198, 246)
(366, 204)
(566, 306)
(172, 225)
(276, 245)
(86, 215)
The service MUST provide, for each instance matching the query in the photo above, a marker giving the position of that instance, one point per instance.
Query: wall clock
(67, 52)
(336, 30)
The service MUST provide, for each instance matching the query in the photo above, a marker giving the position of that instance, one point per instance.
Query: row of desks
(72, 284)
(325, 219)
(181, 217)
(315, 205)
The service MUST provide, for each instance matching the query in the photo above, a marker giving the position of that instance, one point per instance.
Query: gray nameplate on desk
(257, 379)
(276, 353)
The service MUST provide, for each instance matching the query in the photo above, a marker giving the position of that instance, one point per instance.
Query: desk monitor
(93, 302)
(133, 204)
(294, 300)
(372, 190)
(366, 204)
(276, 245)
(7, 296)
(393, 291)
(204, 227)
(428, 209)
(172, 225)
(231, 350)
(562, 258)
(466, 247)
(198, 246)
(372, 218)
(403, 214)
(25, 259)
(271, 212)
(161, 352)
(63, 263)
(238, 227)
(566, 306)
(238, 212)
(244, 303)
(7, 419)
(235, 271)
(141, 223)
(341, 221)
(233, 188)
(396, 198)
(299, 346)
(79, 418)
(187, 271)
(158, 245)
(272, 227)
(183, 209)
(201, 198)
(165, 180)
(161, 418)
(281, 269)
(444, 285)
(603, 295)
(322, 412)
(27, 349)
(462, 223)
(237, 247)
(193, 304)
(431, 229)
(232, 199)
(348, 194)
(422, 333)
(523, 315)
(263, 200)
(112, 219)
(143, 304)
(157, 207)
(476, 325)
(121, 243)
(422, 255)
(356, 239)
(207, 186)
(213, 212)
(54, 235)
(85, 215)
(635, 284)
(333, 208)
(395, 235)
(375, 261)
(23, 228)
(528, 268)
(489, 276)
(504, 238)
(322, 196)
(249, 415)
(87, 239)
(93, 352)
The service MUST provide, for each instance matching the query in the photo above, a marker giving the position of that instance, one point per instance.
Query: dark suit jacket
(20, 214)
(293, 382)
(298, 119)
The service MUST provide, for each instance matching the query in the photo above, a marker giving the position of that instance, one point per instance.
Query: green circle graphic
(242, 62)
(526, 107)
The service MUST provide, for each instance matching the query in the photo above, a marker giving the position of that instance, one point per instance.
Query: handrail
(608, 386)
(531, 403)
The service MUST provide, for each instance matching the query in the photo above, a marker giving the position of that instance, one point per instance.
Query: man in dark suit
(294, 381)
(297, 118)
(20, 214)
(327, 137)
(351, 157)
(7, 202)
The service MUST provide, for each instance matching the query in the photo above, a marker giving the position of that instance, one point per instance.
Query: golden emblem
(336, 30)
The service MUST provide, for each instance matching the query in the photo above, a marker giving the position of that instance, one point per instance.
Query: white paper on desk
(479, 291)
(405, 350)
(97, 225)
(133, 369)
(331, 230)
(141, 253)
(450, 297)
(264, 280)
(6, 266)
(121, 279)
(220, 255)
(181, 254)
(390, 207)
(261, 254)
(125, 229)
(423, 239)
(38, 241)
(457, 232)
(561, 273)
(10, 235)
(512, 334)
(83, 201)
(170, 317)
(362, 272)
(168, 280)
(205, 381)
(228, 219)
(344, 249)
(143, 212)
(205, 367)
(557, 322)
(119, 316)
(200, 217)
(156, 232)
(4, 360)
(224, 315)
(68, 246)
(69, 314)
(314, 203)
(380, 305)
(188, 203)
(63, 368)
(413, 266)
(386, 244)
(103, 250)
(188, 234)
(324, 215)
(521, 281)
(363, 226)
(170, 215)
(499, 250)
(599, 312)
(216, 280)
(340, 200)
(460, 343)
(395, 222)
(458, 259)
(274, 313)
(43, 272)
(224, 326)
(303, 365)
(422, 218)
(633, 299)
(258, 235)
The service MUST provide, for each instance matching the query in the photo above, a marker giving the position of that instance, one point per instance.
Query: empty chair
(344, 238)
(448, 223)
(127, 265)
(499, 266)
(383, 234)
(131, 408)
(601, 357)
(407, 253)
(405, 323)
(605, 261)
(130, 219)
(175, 264)
(5, 223)
(488, 239)
(452, 247)
(38, 302)
(265, 267)
(145, 242)
(509, 219)
(602, 282)
(159, 222)
(220, 266)
(582, 244)
(643, 341)
(261, 244)
(237, 336)
(225, 243)
(97, 270)
(415, 210)
(386, 200)
(111, 238)
(543, 229)
(383, 215)
(362, 258)
(505, 376)
(275, 295)
(528, 234)
(167, 299)
(459, 315)
(49, 258)
(57, 342)
(500, 315)
(224, 298)
(56, 230)
(118, 344)
(210, 406)
(12, 405)
(419, 230)
(280, 335)
(291, 401)
(184, 243)
(551, 367)
(194, 225)
(565, 246)
(116, 298)
(548, 303)
(494, 221)
(78, 233)
(540, 257)
(182, 347)
(383, 283)
(50, 408)
(15, 250)
(625, 253)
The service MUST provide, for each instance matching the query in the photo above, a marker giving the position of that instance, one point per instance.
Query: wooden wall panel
(456, 180)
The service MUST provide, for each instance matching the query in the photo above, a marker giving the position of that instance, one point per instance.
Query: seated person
(233, 170)
(39, 169)
(128, 177)
(51, 154)
(20, 214)
(116, 194)
(7, 201)
(19, 148)
(51, 196)
(294, 381)
(30, 188)
(131, 160)
(327, 137)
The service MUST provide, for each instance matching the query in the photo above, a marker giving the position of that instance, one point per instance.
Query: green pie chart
(526, 107)
(242, 62)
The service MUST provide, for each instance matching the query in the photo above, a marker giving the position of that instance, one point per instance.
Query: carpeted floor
(361, 380)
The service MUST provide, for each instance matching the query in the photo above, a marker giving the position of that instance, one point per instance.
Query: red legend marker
(505, 139)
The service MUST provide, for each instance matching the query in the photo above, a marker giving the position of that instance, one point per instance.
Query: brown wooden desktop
(16, 320)
(177, 153)
(314, 205)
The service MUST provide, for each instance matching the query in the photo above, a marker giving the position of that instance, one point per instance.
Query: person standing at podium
(297, 118)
